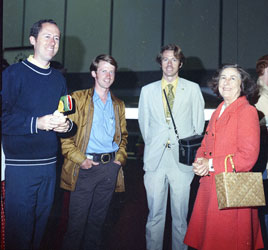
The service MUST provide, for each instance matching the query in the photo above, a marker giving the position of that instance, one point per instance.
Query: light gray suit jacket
(188, 113)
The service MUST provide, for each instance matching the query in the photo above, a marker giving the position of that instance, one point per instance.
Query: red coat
(235, 132)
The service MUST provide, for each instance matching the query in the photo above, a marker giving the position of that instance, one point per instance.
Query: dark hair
(177, 53)
(249, 87)
(107, 58)
(38, 25)
(5, 64)
(58, 66)
(261, 64)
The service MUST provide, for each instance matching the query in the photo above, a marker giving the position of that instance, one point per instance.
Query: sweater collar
(37, 69)
(32, 60)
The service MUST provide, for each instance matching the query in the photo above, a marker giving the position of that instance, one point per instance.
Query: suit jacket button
(210, 153)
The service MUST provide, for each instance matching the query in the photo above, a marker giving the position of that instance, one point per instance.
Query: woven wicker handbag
(239, 189)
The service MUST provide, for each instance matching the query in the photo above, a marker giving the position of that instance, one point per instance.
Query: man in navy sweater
(31, 93)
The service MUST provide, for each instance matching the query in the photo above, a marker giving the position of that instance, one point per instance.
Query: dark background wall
(210, 32)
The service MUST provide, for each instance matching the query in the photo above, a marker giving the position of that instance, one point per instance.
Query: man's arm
(14, 121)
(143, 118)
(71, 126)
(68, 145)
(71, 131)
(198, 110)
(71, 151)
(121, 154)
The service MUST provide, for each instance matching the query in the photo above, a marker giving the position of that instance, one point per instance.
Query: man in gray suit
(161, 159)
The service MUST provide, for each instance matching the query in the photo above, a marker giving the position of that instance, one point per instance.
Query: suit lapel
(157, 98)
(180, 93)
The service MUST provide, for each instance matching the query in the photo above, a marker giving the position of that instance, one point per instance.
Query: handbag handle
(231, 160)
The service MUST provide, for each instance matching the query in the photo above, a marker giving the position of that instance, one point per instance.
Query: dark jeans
(89, 204)
(28, 201)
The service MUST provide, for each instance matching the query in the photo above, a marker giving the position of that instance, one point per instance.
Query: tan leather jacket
(74, 148)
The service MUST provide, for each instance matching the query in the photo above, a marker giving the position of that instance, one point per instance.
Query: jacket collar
(235, 105)
(232, 108)
(91, 93)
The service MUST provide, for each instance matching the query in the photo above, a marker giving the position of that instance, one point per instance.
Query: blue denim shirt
(103, 127)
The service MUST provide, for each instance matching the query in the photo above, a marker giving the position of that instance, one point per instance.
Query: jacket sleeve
(121, 154)
(201, 150)
(248, 139)
(198, 111)
(68, 145)
(143, 117)
(14, 121)
(71, 152)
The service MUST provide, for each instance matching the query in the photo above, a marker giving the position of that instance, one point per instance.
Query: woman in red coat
(233, 129)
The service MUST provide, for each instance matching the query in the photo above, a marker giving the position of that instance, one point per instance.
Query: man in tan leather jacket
(93, 156)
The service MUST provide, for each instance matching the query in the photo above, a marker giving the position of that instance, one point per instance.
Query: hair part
(249, 87)
(103, 57)
(177, 53)
(38, 26)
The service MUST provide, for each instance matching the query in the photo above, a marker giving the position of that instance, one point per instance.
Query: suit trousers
(29, 198)
(88, 207)
(167, 176)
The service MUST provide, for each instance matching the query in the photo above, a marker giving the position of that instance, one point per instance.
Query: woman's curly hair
(249, 87)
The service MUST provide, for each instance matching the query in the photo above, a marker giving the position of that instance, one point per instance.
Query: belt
(103, 158)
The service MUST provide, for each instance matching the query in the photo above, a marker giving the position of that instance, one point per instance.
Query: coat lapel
(229, 111)
(157, 98)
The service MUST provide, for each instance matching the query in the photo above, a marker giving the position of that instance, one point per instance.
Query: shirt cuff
(34, 129)
(210, 165)
(70, 125)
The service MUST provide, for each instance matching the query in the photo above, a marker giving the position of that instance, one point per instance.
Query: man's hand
(63, 123)
(201, 166)
(46, 122)
(62, 127)
(118, 163)
(56, 121)
(87, 164)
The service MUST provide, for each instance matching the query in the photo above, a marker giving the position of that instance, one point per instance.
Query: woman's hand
(201, 166)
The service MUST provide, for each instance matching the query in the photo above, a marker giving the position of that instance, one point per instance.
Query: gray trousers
(168, 175)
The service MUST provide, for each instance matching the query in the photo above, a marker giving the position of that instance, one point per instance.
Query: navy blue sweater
(29, 92)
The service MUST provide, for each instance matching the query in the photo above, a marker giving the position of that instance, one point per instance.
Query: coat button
(210, 153)
(205, 153)
(206, 132)
(212, 134)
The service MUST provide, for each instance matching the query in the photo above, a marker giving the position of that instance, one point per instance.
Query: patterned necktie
(170, 97)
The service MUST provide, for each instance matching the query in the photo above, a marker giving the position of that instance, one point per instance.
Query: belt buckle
(102, 158)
